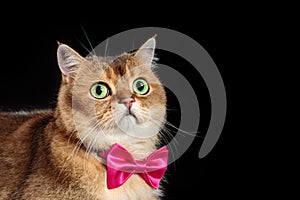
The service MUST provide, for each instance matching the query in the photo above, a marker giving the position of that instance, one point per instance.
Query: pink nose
(127, 102)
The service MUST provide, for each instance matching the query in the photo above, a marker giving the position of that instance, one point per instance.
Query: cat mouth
(131, 116)
(128, 119)
(129, 113)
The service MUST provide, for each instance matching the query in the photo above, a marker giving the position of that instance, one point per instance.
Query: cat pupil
(140, 86)
(99, 89)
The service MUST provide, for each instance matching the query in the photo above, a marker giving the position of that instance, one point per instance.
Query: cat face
(108, 100)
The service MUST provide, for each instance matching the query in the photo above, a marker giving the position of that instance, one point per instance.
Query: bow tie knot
(121, 165)
(141, 166)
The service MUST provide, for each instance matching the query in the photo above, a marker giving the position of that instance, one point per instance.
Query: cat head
(106, 100)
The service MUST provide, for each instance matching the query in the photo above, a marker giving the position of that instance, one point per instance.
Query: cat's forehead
(100, 61)
(117, 66)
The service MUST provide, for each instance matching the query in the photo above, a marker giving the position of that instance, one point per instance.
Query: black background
(30, 79)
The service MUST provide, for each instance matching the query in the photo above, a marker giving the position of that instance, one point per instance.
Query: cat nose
(127, 101)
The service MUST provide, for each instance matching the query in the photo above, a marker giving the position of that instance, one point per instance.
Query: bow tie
(121, 165)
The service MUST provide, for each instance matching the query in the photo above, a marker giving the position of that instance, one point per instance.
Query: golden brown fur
(51, 154)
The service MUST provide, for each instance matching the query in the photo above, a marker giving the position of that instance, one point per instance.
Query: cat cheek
(157, 112)
(141, 116)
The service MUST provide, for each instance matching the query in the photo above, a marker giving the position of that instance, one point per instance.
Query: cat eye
(140, 86)
(100, 90)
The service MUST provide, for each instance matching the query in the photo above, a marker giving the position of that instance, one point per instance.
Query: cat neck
(139, 148)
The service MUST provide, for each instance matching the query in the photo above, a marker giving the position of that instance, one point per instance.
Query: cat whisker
(89, 146)
(170, 109)
(180, 131)
(77, 146)
(183, 132)
(80, 125)
(87, 133)
(166, 135)
(145, 112)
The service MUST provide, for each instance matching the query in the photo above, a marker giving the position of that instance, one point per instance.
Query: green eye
(100, 90)
(140, 86)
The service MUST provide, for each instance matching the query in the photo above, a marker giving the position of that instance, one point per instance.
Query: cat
(102, 101)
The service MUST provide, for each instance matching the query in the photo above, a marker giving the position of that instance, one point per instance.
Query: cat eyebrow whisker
(93, 50)
(106, 49)
(88, 51)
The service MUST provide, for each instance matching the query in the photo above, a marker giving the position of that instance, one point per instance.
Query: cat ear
(146, 52)
(68, 61)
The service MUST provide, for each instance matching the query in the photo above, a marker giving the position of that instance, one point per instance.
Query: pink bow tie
(121, 165)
